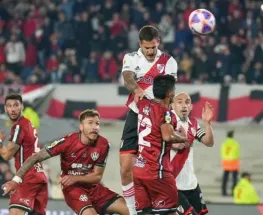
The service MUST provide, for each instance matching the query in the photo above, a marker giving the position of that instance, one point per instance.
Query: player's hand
(9, 187)
(178, 146)
(207, 112)
(68, 180)
(138, 94)
(2, 135)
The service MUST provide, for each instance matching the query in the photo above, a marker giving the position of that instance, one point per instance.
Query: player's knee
(121, 207)
(16, 211)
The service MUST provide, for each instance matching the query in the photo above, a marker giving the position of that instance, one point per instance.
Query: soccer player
(139, 69)
(182, 160)
(83, 159)
(153, 178)
(32, 193)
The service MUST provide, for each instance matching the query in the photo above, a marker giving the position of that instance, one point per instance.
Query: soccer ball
(202, 22)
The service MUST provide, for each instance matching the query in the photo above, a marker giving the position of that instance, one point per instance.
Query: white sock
(128, 194)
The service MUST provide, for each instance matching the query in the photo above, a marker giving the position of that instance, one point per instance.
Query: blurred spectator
(32, 33)
(230, 155)
(15, 54)
(108, 68)
(244, 191)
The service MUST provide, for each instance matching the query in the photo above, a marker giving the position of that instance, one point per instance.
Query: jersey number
(36, 145)
(147, 125)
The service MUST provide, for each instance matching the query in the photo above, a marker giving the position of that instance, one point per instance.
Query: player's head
(14, 106)
(246, 175)
(182, 105)
(230, 134)
(164, 87)
(149, 40)
(89, 124)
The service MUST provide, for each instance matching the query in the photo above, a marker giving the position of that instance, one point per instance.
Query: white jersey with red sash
(182, 161)
(145, 71)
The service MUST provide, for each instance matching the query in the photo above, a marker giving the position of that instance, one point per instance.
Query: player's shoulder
(132, 54)
(23, 121)
(102, 142)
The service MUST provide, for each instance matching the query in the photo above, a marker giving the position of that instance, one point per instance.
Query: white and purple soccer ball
(202, 21)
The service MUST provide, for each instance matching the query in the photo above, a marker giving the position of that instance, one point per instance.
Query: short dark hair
(245, 174)
(230, 134)
(14, 96)
(88, 113)
(148, 33)
(162, 85)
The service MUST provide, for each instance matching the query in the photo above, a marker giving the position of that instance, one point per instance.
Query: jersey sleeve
(57, 147)
(171, 67)
(17, 134)
(199, 133)
(103, 156)
(128, 64)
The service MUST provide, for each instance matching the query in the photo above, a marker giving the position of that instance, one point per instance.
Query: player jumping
(153, 178)
(32, 193)
(182, 160)
(83, 160)
(139, 69)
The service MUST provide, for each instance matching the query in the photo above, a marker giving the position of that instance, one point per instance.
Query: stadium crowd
(75, 41)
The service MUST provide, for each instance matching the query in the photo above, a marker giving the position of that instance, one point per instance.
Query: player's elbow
(208, 142)
(167, 138)
(7, 156)
(97, 179)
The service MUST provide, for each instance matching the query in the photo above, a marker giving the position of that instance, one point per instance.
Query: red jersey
(78, 158)
(153, 160)
(25, 135)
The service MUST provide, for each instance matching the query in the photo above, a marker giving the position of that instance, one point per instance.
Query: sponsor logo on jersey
(83, 198)
(95, 156)
(146, 80)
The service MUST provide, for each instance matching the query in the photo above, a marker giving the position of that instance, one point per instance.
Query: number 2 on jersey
(147, 125)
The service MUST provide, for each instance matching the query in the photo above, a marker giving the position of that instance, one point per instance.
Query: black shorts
(195, 198)
(184, 207)
(129, 139)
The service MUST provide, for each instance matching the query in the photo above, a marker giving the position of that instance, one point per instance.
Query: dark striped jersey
(25, 135)
(153, 155)
(78, 158)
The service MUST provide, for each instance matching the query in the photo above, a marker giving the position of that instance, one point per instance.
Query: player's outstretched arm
(42, 155)
(207, 116)
(170, 136)
(11, 186)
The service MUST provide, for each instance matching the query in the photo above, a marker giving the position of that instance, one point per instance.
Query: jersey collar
(178, 118)
(159, 52)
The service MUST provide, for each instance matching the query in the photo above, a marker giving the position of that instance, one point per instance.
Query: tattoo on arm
(31, 161)
(129, 80)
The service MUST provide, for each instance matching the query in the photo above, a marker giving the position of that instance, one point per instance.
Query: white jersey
(183, 161)
(145, 71)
